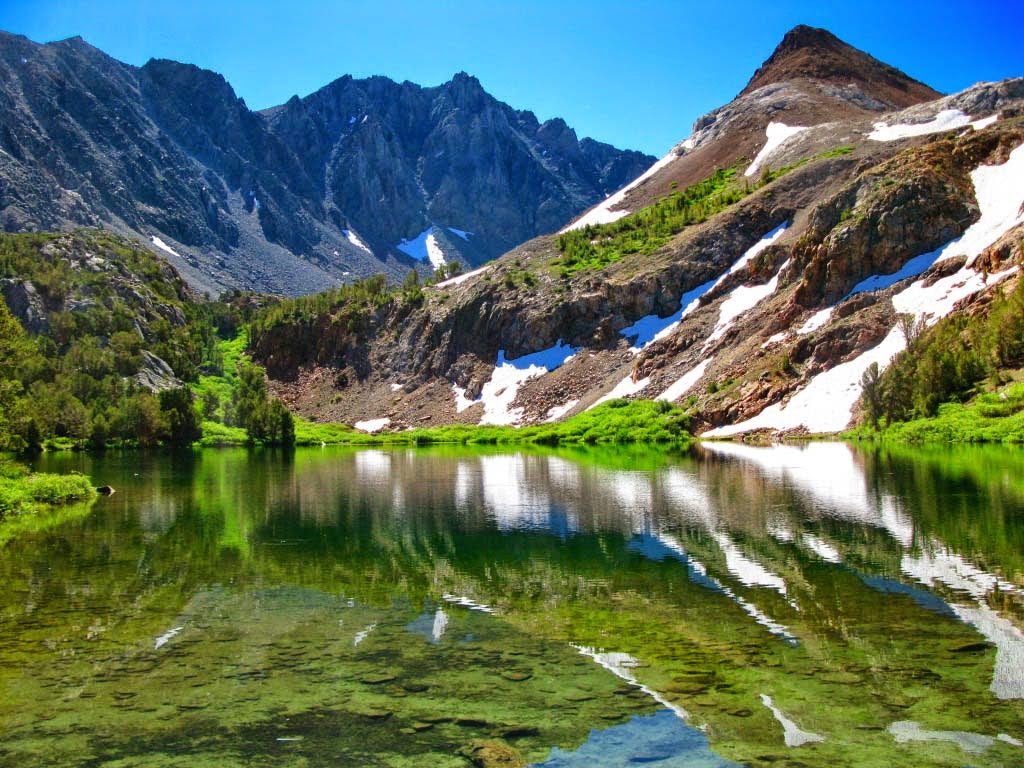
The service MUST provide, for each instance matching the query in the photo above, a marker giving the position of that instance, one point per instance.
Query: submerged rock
(491, 753)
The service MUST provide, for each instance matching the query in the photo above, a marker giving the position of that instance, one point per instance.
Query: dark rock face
(25, 304)
(450, 156)
(267, 201)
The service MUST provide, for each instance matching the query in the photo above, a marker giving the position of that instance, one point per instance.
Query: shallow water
(815, 605)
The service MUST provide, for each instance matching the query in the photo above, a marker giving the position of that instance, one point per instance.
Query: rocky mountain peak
(810, 53)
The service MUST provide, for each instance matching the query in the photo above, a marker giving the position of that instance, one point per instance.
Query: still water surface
(816, 605)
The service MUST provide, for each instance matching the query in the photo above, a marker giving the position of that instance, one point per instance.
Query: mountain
(753, 275)
(444, 161)
(364, 176)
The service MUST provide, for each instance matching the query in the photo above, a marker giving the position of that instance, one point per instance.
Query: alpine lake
(795, 605)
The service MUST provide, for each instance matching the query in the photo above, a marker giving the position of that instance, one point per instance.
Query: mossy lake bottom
(790, 605)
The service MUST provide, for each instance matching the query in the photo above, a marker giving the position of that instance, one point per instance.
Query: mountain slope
(168, 153)
(758, 301)
(811, 79)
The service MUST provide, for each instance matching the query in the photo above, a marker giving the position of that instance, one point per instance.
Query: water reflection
(815, 603)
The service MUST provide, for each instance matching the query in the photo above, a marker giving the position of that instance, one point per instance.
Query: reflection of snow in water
(363, 634)
(749, 572)
(907, 730)
(373, 466)
(622, 665)
(940, 566)
(794, 736)
(658, 546)
(440, 625)
(827, 473)
(467, 602)
(168, 635)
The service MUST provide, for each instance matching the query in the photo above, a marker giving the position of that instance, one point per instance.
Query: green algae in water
(397, 608)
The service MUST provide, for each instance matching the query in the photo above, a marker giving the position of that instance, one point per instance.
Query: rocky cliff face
(445, 160)
(762, 313)
(319, 191)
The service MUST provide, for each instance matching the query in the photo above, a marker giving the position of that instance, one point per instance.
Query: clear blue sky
(635, 74)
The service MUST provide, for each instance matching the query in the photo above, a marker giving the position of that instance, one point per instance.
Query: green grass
(988, 418)
(230, 351)
(23, 492)
(615, 422)
(217, 435)
(314, 433)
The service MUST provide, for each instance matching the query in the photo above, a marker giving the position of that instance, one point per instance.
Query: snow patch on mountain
(164, 246)
(624, 388)
(685, 382)
(946, 120)
(372, 425)
(500, 391)
(777, 135)
(741, 299)
(463, 277)
(652, 328)
(352, 237)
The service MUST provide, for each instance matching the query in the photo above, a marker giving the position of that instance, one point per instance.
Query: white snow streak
(624, 388)
(168, 635)
(622, 665)
(440, 625)
(777, 135)
(466, 602)
(434, 252)
(352, 237)
(363, 634)
(498, 394)
(741, 299)
(463, 277)
(652, 328)
(557, 412)
(946, 120)
(164, 246)
(816, 320)
(749, 572)
(685, 382)
(908, 730)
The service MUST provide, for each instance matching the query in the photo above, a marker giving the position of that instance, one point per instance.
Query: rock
(492, 753)
(155, 374)
(105, 490)
(25, 304)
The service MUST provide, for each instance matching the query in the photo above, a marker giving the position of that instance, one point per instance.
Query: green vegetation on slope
(935, 389)
(105, 309)
(106, 316)
(594, 247)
